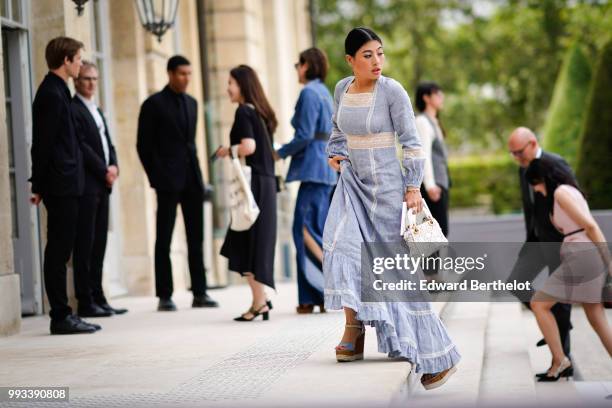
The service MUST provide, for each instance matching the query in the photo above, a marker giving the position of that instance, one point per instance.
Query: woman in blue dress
(312, 124)
(371, 113)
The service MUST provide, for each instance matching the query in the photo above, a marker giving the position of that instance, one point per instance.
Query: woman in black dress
(251, 252)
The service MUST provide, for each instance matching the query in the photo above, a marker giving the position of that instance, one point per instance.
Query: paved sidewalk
(200, 357)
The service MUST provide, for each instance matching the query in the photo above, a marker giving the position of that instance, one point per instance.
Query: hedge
(594, 170)
(489, 181)
(567, 109)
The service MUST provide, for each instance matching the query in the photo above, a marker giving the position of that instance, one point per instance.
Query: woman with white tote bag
(250, 248)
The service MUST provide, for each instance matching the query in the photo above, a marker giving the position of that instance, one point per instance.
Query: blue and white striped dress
(367, 207)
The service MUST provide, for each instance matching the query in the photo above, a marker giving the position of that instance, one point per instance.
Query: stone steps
(467, 323)
(500, 358)
(588, 352)
(320, 381)
(562, 393)
(592, 380)
(507, 378)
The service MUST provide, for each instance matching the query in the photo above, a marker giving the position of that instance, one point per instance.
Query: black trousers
(89, 249)
(191, 201)
(62, 216)
(439, 210)
(531, 260)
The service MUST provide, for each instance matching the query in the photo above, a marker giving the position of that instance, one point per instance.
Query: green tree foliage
(488, 182)
(497, 67)
(497, 60)
(595, 149)
(566, 112)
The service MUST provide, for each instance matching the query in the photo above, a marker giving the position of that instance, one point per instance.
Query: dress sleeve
(425, 132)
(337, 141)
(403, 120)
(242, 127)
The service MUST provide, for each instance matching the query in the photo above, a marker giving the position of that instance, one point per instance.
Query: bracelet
(412, 189)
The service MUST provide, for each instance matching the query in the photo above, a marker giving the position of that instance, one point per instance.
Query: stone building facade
(215, 35)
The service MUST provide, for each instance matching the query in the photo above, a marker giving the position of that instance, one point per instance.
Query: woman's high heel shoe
(265, 315)
(346, 351)
(269, 303)
(561, 371)
(566, 373)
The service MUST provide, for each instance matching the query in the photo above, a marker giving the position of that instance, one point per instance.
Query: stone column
(10, 293)
(137, 201)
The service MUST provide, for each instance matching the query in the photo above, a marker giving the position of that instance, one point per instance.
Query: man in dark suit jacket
(533, 257)
(58, 177)
(166, 147)
(101, 172)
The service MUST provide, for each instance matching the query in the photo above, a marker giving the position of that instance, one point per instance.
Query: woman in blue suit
(312, 122)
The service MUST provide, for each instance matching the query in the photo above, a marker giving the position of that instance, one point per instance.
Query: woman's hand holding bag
(423, 238)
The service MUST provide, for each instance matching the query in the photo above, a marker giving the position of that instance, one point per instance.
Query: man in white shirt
(101, 172)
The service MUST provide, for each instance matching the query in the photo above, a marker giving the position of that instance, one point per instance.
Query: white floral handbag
(243, 208)
(421, 231)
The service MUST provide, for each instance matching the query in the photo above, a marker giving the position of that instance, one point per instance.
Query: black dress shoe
(71, 325)
(113, 310)
(204, 301)
(93, 310)
(166, 305)
(94, 325)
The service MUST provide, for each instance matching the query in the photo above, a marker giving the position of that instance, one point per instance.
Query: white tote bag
(243, 208)
(421, 231)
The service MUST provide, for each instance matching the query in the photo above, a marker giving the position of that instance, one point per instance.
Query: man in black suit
(533, 257)
(101, 172)
(166, 147)
(58, 177)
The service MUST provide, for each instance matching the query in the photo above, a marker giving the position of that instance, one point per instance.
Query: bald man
(533, 257)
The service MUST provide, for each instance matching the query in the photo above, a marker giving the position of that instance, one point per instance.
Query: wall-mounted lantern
(79, 6)
(157, 16)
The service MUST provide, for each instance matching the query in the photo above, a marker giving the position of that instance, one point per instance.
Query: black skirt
(253, 250)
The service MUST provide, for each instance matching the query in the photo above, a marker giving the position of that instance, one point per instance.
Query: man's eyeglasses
(86, 78)
(518, 153)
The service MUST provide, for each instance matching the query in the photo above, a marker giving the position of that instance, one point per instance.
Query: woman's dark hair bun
(357, 37)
